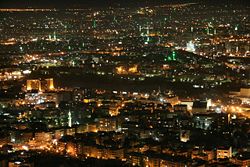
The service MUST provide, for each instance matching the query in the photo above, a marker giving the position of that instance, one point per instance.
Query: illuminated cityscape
(114, 83)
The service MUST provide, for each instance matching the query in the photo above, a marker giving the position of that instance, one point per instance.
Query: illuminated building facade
(184, 135)
(40, 85)
(243, 95)
(39, 98)
(34, 84)
(49, 84)
(224, 152)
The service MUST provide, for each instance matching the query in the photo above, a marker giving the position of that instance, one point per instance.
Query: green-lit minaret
(174, 55)
(94, 24)
(170, 56)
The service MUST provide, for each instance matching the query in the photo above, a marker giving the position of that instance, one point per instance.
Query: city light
(143, 83)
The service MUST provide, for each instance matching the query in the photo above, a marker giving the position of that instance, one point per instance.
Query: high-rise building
(38, 85)
(34, 84)
(50, 84)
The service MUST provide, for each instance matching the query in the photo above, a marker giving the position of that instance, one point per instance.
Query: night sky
(101, 3)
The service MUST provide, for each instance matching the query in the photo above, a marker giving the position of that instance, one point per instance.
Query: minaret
(207, 31)
(147, 34)
(94, 23)
(192, 29)
(140, 28)
(147, 30)
(69, 119)
(173, 55)
(54, 35)
(215, 32)
(159, 41)
(114, 19)
(236, 27)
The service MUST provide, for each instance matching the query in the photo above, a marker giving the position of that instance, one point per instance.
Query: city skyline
(124, 83)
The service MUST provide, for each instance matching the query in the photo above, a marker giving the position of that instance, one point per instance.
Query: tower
(159, 39)
(50, 84)
(54, 35)
(147, 30)
(69, 119)
(94, 24)
(207, 31)
(236, 27)
(192, 29)
(147, 35)
(114, 19)
(170, 56)
(173, 55)
(140, 28)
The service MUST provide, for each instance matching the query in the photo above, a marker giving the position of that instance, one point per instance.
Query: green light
(173, 55)
(94, 24)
